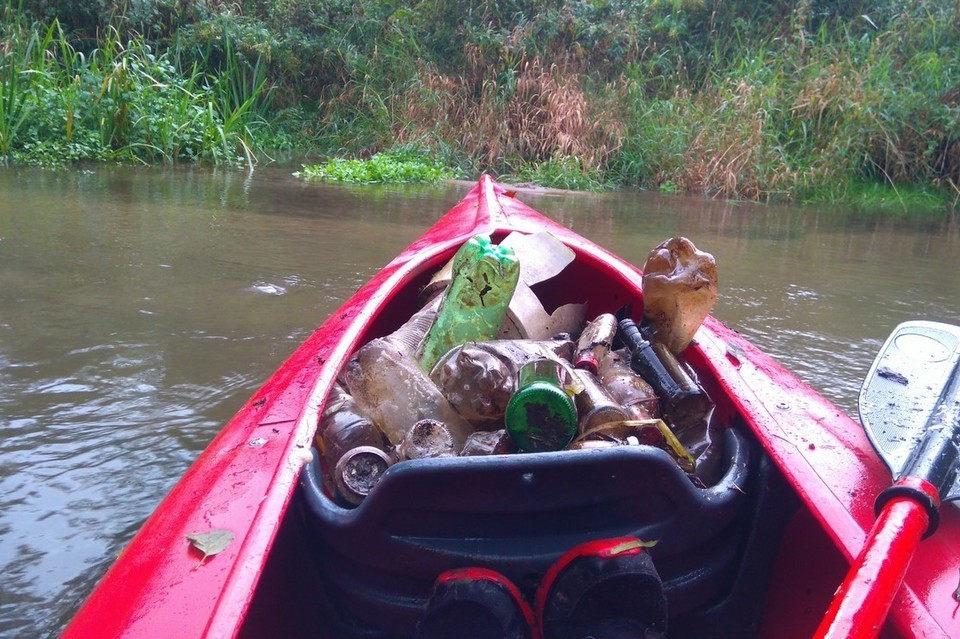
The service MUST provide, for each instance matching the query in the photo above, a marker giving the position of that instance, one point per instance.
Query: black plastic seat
(516, 514)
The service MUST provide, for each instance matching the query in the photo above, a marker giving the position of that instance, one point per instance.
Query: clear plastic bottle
(428, 438)
(474, 304)
(479, 378)
(541, 416)
(679, 290)
(385, 380)
(343, 426)
(412, 332)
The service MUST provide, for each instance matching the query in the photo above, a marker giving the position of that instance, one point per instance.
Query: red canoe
(759, 552)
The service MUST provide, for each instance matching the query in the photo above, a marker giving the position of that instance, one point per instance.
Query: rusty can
(359, 471)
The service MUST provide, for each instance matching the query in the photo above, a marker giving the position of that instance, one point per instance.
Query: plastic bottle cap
(587, 361)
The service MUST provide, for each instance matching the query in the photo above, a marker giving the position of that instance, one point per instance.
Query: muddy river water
(139, 308)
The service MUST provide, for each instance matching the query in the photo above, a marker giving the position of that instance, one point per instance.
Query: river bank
(807, 102)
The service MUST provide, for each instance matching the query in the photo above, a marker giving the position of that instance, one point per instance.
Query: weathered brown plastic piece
(679, 290)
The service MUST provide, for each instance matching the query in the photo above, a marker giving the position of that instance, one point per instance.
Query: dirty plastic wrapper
(387, 384)
(679, 291)
(484, 442)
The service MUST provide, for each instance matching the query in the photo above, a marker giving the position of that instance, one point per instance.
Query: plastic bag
(679, 290)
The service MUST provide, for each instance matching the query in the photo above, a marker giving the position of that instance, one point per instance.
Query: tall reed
(734, 99)
(22, 61)
(121, 100)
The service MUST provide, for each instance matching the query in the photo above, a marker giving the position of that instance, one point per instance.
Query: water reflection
(818, 288)
(139, 308)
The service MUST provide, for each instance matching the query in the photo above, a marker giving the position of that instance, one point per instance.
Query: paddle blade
(912, 387)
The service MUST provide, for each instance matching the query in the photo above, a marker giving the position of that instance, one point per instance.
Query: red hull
(245, 480)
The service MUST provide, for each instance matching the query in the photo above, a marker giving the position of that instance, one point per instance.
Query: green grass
(562, 173)
(23, 60)
(879, 196)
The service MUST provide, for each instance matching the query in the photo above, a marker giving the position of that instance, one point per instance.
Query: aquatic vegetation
(562, 173)
(907, 200)
(395, 167)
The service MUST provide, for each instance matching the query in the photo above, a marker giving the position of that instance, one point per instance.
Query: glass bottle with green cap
(541, 415)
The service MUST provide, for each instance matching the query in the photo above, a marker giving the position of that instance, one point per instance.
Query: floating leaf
(210, 543)
(631, 544)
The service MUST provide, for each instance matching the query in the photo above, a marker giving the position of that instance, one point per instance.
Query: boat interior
(737, 553)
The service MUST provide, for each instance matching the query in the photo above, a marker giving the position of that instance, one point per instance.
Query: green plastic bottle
(475, 303)
(541, 416)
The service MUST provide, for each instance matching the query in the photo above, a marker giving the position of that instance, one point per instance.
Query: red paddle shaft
(908, 511)
(916, 373)
(863, 600)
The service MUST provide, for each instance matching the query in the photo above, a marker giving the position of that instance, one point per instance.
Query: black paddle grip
(933, 461)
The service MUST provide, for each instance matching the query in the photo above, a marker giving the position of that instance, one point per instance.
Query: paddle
(910, 408)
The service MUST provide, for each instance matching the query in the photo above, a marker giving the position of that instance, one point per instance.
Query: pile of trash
(483, 369)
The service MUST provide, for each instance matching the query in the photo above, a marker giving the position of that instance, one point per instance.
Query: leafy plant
(121, 100)
(22, 61)
(396, 167)
(740, 99)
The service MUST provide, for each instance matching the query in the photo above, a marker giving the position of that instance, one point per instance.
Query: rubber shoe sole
(475, 603)
(607, 589)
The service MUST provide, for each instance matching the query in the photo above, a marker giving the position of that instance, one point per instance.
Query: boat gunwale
(837, 492)
(138, 590)
(156, 579)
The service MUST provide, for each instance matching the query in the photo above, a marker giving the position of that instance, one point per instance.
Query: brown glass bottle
(595, 406)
